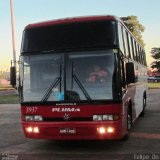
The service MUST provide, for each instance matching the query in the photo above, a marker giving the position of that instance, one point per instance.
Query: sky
(32, 11)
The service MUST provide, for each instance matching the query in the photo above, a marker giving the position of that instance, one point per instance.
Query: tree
(135, 27)
(155, 53)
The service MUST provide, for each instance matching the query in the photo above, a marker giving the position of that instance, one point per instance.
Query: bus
(81, 78)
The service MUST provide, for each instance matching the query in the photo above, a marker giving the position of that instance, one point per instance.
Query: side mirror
(130, 73)
(13, 76)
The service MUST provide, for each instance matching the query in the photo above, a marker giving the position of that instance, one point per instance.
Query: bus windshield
(91, 74)
(73, 76)
(38, 74)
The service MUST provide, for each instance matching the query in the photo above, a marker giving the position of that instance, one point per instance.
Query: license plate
(67, 130)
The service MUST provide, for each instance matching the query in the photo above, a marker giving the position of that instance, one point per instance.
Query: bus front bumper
(73, 130)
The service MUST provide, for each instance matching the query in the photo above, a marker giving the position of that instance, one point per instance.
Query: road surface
(144, 142)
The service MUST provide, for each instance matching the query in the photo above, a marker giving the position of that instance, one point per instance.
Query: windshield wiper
(80, 84)
(49, 91)
(52, 86)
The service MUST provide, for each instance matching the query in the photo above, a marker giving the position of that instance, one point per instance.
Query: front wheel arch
(144, 104)
(129, 117)
(129, 121)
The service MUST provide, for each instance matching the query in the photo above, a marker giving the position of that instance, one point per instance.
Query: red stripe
(71, 20)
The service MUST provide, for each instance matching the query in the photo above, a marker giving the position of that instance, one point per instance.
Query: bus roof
(71, 20)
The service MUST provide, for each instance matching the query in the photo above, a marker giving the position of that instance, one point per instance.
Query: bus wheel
(144, 106)
(129, 124)
(129, 120)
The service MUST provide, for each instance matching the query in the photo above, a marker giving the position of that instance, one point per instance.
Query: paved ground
(143, 144)
(8, 92)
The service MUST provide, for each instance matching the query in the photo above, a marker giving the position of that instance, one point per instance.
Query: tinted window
(120, 36)
(91, 74)
(130, 46)
(70, 36)
(136, 51)
(125, 42)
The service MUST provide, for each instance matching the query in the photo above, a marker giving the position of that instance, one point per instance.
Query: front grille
(71, 119)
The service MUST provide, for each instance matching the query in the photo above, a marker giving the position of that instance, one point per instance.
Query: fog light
(110, 129)
(101, 130)
(36, 130)
(29, 129)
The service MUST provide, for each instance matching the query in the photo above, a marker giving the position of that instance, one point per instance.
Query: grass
(9, 99)
(8, 96)
(6, 87)
(154, 85)
(14, 99)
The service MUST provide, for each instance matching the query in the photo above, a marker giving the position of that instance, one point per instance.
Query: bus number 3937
(31, 109)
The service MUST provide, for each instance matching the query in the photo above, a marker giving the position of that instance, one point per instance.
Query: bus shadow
(82, 146)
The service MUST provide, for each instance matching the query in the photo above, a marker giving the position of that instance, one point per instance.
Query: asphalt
(144, 141)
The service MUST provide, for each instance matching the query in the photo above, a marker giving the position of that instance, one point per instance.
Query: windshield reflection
(88, 76)
(94, 71)
(39, 74)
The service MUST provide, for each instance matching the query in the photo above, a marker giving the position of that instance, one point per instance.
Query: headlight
(97, 117)
(38, 118)
(106, 117)
(31, 118)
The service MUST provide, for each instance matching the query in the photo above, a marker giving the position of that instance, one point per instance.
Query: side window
(130, 46)
(133, 47)
(142, 59)
(128, 41)
(125, 42)
(140, 54)
(136, 51)
(120, 36)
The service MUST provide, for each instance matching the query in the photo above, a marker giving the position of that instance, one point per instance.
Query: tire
(144, 107)
(129, 124)
(129, 120)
